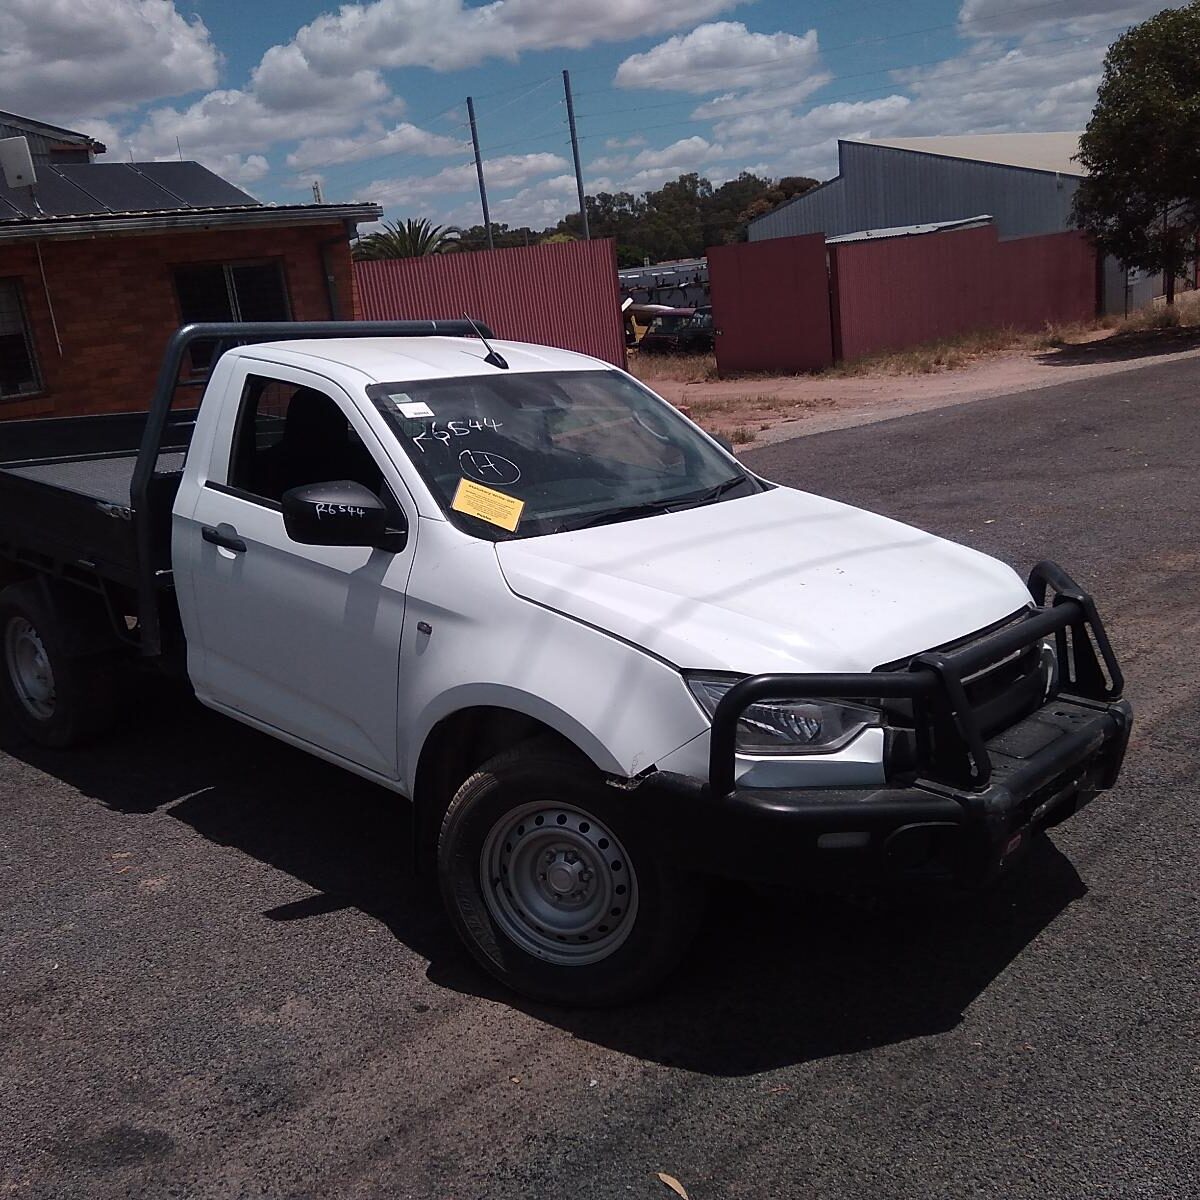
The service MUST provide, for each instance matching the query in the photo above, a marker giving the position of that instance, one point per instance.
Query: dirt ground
(761, 410)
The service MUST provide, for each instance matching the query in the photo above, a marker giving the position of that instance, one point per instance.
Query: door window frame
(220, 467)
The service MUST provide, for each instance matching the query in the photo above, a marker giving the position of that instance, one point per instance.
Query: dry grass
(1183, 314)
(948, 354)
(680, 368)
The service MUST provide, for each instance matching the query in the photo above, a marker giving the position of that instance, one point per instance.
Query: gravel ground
(217, 979)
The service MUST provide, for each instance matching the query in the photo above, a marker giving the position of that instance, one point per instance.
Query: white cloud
(686, 153)
(284, 81)
(721, 55)
(326, 87)
(992, 18)
(536, 207)
(239, 169)
(373, 142)
(1043, 79)
(629, 143)
(63, 58)
(447, 34)
(500, 173)
(230, 121)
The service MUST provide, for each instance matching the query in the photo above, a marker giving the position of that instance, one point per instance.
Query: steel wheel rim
(29, 668)
(559, 883)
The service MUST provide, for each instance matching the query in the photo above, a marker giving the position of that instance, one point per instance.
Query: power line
(765, 64)
(369, 164)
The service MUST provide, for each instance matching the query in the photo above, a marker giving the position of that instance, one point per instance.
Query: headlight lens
(790, 726)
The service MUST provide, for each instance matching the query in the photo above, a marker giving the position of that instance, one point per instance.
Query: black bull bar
(950, 741)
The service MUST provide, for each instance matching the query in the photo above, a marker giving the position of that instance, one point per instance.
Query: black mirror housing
(724, 443)
(341, 513)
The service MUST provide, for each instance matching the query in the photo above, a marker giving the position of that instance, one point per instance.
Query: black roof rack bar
(226, 334)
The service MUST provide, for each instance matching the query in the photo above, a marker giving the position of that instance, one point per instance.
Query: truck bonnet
(778, 581)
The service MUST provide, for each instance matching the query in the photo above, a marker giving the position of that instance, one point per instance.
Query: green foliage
(683, 217)
(1141, 199)
(679, 220)
(413, 239)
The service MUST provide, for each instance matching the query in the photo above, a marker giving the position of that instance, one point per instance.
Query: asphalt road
(217, 980)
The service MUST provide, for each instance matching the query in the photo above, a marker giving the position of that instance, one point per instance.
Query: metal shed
(1026, 181)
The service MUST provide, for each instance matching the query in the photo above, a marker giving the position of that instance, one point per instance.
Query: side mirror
(334, 514)
(725, 444)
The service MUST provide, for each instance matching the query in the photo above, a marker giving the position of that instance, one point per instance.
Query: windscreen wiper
(649, 507)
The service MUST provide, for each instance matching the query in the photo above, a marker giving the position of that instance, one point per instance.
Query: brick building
(103, 261)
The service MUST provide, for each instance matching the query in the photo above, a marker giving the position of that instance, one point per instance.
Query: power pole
(487, 220)
(587, 237)
(317, 197)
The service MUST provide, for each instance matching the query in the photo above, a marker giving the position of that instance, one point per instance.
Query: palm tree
(413, 239)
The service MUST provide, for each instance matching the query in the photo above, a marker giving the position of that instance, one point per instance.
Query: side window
(18, 368)
(288, 436)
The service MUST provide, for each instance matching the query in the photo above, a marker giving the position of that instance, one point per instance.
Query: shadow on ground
(1123, 347)
(772, 980)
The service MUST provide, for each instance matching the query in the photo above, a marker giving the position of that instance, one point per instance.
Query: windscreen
(520, 455)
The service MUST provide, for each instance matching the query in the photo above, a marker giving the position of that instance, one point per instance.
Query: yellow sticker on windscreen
(488, 505)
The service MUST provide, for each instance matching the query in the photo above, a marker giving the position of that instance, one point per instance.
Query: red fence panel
(565, 294)
(890, 293)
(771, 305)
(1046, 278)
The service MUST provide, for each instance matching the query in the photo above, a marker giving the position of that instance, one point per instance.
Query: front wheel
(555, 884)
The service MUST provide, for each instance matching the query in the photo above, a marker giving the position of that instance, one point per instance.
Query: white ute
(602, 658)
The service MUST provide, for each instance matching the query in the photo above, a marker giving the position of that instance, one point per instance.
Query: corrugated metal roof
(75, 198)
(100, 224)
(1033, 151)
(19, 124)
(898, 231)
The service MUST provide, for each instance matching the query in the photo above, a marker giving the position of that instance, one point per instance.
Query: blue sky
(369, 97)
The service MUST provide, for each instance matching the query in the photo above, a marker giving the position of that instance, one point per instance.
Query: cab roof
(385, 359)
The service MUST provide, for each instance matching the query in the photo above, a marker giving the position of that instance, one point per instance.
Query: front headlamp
(787, 726)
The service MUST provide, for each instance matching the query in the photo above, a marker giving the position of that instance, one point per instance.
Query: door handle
(223, 535)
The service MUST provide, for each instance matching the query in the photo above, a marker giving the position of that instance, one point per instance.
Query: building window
(18, 367)
(252, 291)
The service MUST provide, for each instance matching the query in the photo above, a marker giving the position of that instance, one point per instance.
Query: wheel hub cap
(558, 883)
(29, 668)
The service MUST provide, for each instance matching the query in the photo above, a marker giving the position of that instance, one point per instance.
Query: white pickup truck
(601, 658)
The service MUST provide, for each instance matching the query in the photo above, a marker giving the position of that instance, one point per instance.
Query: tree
(413, 239)
(1140, 201)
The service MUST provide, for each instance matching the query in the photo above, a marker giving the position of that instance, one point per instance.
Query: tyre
(556, 887)
(52, 697)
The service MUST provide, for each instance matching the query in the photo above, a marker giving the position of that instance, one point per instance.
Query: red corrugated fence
(564, 294)
(771, 304)
(889, 293)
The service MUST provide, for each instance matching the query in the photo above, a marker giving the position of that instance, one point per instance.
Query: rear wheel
(52, 697)
(556, 886)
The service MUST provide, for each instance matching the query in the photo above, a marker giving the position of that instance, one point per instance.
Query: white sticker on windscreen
(414, 409)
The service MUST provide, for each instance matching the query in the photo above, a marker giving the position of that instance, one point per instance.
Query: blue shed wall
(879, 187)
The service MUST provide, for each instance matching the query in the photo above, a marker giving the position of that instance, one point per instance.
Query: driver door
(302, 639)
